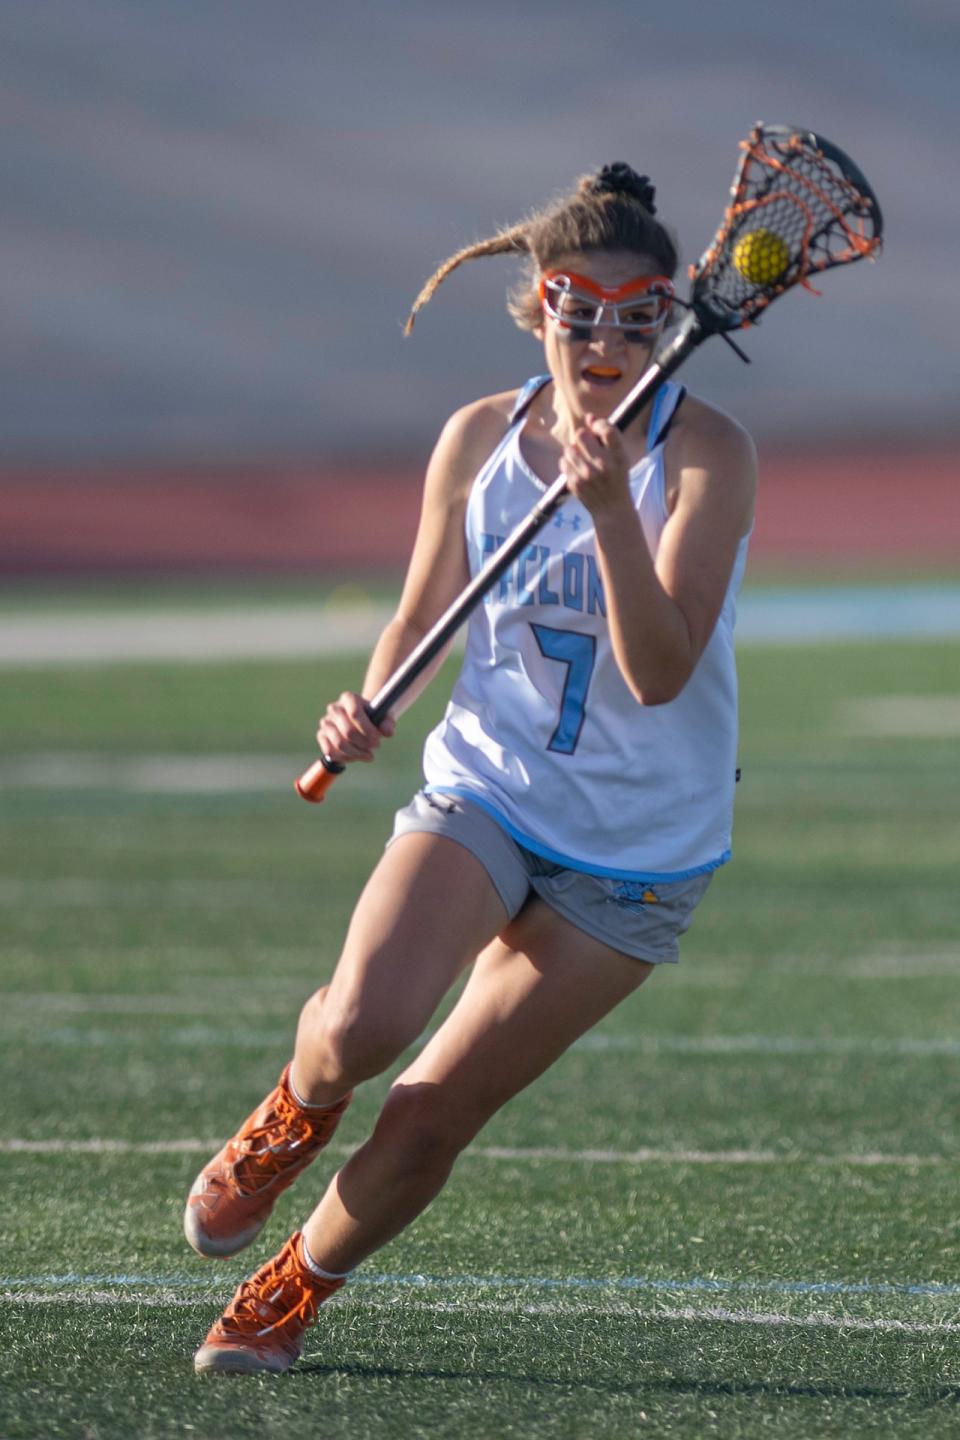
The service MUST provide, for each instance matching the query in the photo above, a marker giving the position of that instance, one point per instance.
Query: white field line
(232, 773)
(36, 1003)
(190, 636)
(645, 1155)
(920, 962)
(690, 1314)
(236, 772)
(81, 891)
(217, 995)
(23, 1006)
(894, 964)
(279, 632)
(784, 1046)
(98, 1297)
(773, 1044)
(724, 975)
(684, 1314)
(206, 992)
(566, 1284)
(931, 717)
(226, 774)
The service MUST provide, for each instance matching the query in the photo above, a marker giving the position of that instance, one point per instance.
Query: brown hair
(611, 210)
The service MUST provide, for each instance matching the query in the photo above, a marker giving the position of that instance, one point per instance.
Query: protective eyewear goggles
(578, 306)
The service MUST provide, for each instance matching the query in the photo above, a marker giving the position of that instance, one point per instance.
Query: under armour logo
(574, 521)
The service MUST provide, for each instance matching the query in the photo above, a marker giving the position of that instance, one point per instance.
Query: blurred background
(217, 215)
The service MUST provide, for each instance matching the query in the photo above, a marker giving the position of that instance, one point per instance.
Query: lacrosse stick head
(798, 206)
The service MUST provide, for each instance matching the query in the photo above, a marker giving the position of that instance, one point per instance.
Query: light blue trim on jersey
(526, 396)
(667, 399)
(462, 792)
(653, 426)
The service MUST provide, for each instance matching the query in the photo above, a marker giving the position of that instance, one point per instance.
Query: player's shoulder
(481, 420)
(712, 458)
(473, 431)
(703, 426)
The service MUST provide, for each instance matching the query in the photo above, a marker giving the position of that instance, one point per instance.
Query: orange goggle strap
(568, 282)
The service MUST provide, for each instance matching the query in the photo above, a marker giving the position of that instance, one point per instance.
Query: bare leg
(533, 991)
(405, 946)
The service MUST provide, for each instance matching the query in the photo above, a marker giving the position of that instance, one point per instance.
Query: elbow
(649, 696)
(659, 689)
(655, 677)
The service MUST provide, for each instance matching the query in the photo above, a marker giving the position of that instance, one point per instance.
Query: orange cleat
(262, 1329)
(231, 1199)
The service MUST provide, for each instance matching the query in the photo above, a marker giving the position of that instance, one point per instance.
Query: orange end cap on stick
(314, 783)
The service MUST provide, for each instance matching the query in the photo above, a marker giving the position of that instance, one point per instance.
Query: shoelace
(284, 1277)
(284, 1130)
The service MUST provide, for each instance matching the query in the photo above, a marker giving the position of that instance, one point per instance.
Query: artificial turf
(785, 1258)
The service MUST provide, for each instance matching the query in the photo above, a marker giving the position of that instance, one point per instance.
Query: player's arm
(437, 573)
(662, 611)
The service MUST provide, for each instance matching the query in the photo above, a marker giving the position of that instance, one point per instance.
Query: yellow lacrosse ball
(761, 257)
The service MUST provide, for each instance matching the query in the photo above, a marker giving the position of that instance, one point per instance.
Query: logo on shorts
(634, 895)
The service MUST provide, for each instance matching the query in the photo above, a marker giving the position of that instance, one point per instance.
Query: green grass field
(732, 1211)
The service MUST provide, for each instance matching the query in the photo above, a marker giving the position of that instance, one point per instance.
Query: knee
(424, 1130)
(351, 1043)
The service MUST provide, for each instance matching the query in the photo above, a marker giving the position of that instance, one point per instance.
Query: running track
(854, 506)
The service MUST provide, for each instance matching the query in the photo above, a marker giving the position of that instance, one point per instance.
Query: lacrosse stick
(798, 206)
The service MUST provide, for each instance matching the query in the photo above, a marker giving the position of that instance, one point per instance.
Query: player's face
(603, 315)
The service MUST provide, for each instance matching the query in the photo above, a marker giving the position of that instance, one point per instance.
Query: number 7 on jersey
(578, 652)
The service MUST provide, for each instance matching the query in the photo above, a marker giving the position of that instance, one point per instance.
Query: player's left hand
(596, 467)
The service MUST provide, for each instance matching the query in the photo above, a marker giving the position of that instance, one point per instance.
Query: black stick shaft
(315, 782)
(449, 623)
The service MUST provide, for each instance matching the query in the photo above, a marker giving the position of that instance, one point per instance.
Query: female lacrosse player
(579, 788)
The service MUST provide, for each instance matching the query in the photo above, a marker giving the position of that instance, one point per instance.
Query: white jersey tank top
(541, 729)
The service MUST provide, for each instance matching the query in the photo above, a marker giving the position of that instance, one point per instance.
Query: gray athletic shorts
(639, 919)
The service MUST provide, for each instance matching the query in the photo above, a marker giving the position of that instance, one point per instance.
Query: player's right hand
(346, 732)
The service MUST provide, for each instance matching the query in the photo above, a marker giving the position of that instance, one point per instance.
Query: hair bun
(621, 179)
